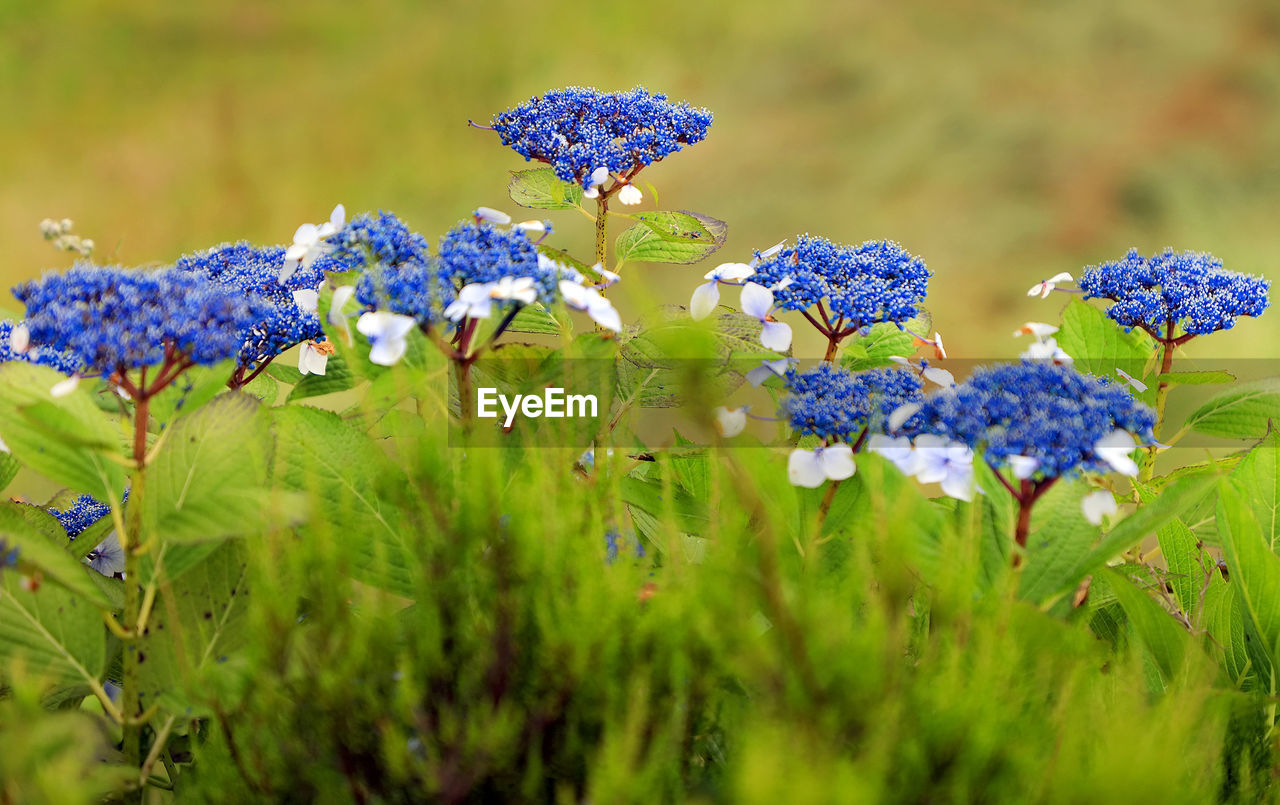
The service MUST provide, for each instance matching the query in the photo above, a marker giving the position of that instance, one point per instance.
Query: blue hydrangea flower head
(1189, 290)
(253, 272)
(1045, 411)
(577, 130)
(61, 361)
(384, 237)
(837, 405)
(115, 319)
(874, 282)
(82, 513)
(409, 289)
(479, 252)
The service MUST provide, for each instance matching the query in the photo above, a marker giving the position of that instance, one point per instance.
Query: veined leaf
(1166, 640)
(1099, 346)
(337, 377)
(1252, 565)
(1240, 412)
(37, 546)
(1060, 538)
(1258, 473)
(53, 631)
(541, 189)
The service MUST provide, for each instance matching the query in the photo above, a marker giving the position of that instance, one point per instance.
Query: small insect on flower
(1044, 288)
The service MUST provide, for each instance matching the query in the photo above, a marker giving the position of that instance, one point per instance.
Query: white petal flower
(337, 220)
(311, 361)
(518, 289)
(939, 350)
(386, 333)
(704, 300)
(940, 376)
(757, 302)
(1043, 289)
(772, 250)
(768, 369)
(901, 414)
(610, 278)
(809, 468)
(731, 422)
(600, 309)
(309, 243)
(1115, 449)
(492, 216)
(473, 301)
(307, 301)
(1137, 384)
(599, 176)
(1023, 466)
(1046, 349)
(947, 463)
(341, 296)
(1036, 328)
(630, 195)
(591, 192)
(898, 451)
(20, 338)
(1098, 505)
(531, 226)
(730, 272)
(64, 387)
(776, 335)
(108, 557)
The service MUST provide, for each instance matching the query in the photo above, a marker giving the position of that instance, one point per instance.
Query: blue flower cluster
(481, 252)
(863, 285)
(837, 405)
(82, 513)
(385, 237)
(44, 357)
(253, 272)
(111, 318)
(577, 130)
(1046, 411)
(409, 289)
(1189, 289)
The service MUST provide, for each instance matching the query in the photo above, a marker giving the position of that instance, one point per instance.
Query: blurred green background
(1001, 142)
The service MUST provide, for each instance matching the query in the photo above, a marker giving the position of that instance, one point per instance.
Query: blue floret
(837, 405)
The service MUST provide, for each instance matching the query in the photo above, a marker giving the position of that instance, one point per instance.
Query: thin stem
(602, 230)
(131, 543)
(824, 330)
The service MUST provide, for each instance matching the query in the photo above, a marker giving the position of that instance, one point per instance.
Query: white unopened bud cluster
(59, 233)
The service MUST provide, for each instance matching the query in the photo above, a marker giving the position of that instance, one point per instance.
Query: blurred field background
(1001, 142)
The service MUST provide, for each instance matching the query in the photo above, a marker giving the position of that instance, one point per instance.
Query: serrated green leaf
(194, 625)
(681, 226)
(285, 373)
(337, 377)
(52, 631)
(541, 189)
(670, 237)
(1241, 412)
(207, 481)
(9, 467)
(1252, 565)
(41, 545)
(67, 439)
(874, 350)
(341, 469)
(535, 319)
(192, 389)
(1166, 640)
(1060, 538)
(1258, 474)
(1196, 378)
(1099, 346)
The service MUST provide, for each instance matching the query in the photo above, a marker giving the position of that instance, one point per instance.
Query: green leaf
(1258, 474)
(647, 494)
(1224, 618)
(1060, 538)
(670, 237)
(1099, 346)
(342, 469)
(541, 189)
(1178, 546)
(1241, 412)
(337, 377)
(1252, 565)
(207, 482)
(194, 625)
(285, 373)
(192, 389)
(1196, 378)
(873, 350)
(1163, 637)
(9, 467)
(264, 387)
(68, 439)
(535, 319)
(40, 541)
(52, 631)
(1173, 500)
